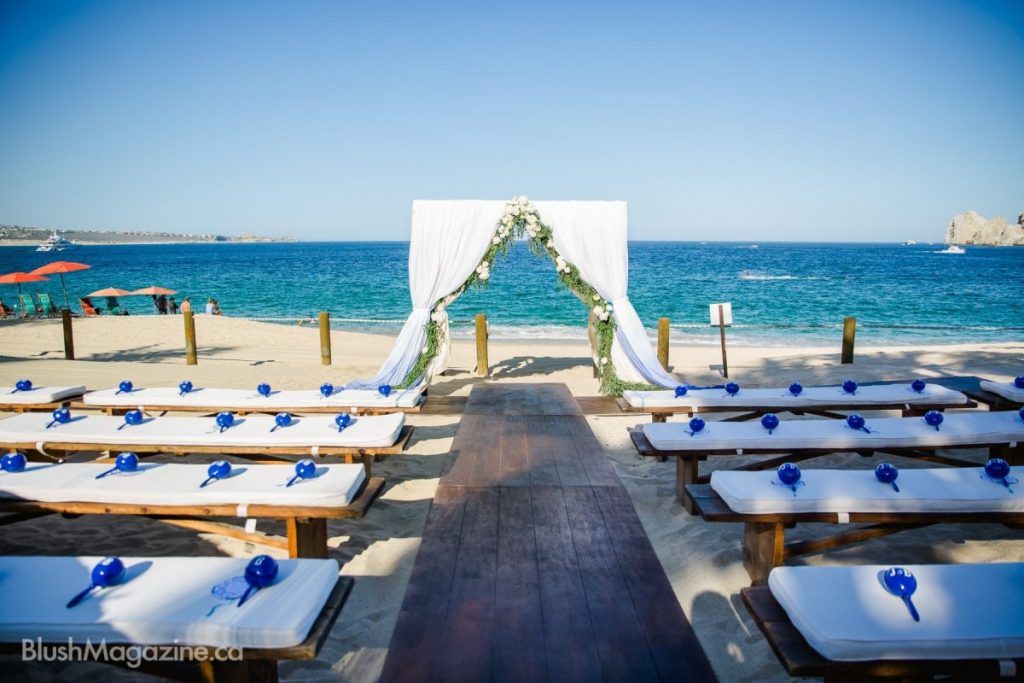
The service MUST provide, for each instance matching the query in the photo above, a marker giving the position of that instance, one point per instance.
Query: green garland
(522, 218)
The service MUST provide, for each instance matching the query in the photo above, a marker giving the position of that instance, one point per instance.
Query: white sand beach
(702, 560)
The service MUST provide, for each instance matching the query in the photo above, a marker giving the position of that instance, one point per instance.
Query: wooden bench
(260, 454)
(764, 542)
(306, 525)
(688, 462)
(802, 660)
(257, 665)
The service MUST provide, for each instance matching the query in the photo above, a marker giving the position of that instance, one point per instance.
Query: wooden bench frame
(275, 454)
(160, 410)
(38, 407)
(259, 665)
(800, 659)
(764, 541)
(688, 462)
(306, 525)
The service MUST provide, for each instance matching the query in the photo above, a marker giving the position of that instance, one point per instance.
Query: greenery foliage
(521, 218)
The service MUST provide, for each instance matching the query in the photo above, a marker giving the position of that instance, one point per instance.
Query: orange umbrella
(110, 291)
(154, 291)
(61, 267)
(18, 278)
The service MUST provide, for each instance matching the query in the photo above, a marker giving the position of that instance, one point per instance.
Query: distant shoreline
(88, 243)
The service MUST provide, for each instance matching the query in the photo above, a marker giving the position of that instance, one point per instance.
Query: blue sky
(862, 120)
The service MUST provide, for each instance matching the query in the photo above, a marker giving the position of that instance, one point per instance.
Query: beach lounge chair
(88, 309)
(168, 603)
(1012, 396)
(843, 497)
(840, 623)
(821, 401)
(242, 401)
(47, 306)
(37, 398)
(1001, 432)
(171, 492)
(29, 309)
(316, 436)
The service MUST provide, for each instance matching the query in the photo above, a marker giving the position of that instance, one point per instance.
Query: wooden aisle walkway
(534, 565)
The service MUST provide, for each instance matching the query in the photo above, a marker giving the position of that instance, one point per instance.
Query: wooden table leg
(307, 537)
(763, 544)
(686, 473)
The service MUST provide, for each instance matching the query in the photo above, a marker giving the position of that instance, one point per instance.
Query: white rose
(424, 350)
(597, 297)
(604, 361)
(609, 307)
(603, 316)
(485, 276)
(598, 310)
(496, 240)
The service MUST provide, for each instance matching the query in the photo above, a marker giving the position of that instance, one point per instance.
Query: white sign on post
(726, 313)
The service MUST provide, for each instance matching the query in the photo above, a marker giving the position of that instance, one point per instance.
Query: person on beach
(172, 306)
(156, 304)
(209, 306)
(161, 304)
(216, 307)
(186, 305)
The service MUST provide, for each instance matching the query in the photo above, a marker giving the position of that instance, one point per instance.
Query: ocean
(783, 294)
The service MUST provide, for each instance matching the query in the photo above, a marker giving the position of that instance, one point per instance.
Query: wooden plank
(467, 444)
(608, 596)
(519, 653)
(590, 453)
(672, 641)
(419, 632)
(469, 630)
(514, 456)
(570, 641)
(552, 433)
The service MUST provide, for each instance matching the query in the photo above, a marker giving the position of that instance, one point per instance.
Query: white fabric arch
(450, 237)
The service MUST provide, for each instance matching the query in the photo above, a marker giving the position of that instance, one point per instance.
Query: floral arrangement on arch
(521, 218)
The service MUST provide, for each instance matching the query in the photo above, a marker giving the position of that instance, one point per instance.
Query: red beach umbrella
(18, 278)
(111, 291)
(59, 268)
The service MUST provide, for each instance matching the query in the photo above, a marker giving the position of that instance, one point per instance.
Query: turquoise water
(782, 293)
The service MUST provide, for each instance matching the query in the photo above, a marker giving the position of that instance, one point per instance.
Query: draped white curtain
(450, 237)
(448, 240)
(592, 237)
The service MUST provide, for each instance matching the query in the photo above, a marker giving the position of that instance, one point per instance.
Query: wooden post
(849, 331)
(69, 340)
(482, 366)
(325, 338)
(592, 335)
(663, 332)
(721, 329)
(190, 338)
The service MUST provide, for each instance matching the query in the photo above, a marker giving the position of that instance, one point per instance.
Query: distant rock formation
(971, 228)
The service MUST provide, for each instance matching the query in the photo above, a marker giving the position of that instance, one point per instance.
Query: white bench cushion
(249, 399)
(178, 484)
(37, 395)
(878, 394)
(968, 611)
(958, 429)
(163, 600)
(921, 490)
(1005, 389)
(251, 430)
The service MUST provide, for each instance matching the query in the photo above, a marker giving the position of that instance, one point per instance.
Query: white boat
(953, 249)
(56, 243)
(909, 243)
